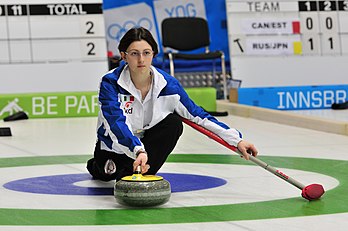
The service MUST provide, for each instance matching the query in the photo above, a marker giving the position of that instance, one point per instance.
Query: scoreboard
(51, 32)
(288, 43)
(55, 43)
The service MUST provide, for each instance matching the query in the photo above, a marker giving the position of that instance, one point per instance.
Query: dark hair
(137, 34)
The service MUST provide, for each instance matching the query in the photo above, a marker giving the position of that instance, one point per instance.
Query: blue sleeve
(194, 109)
(114, 119)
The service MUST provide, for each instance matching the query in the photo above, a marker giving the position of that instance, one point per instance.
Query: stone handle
(138, 170)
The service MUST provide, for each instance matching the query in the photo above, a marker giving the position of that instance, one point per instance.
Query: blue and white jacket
(121, 113)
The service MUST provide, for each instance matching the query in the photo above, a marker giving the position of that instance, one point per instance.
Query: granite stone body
(142, 193)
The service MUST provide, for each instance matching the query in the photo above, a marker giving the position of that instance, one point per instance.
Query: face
(139, 56)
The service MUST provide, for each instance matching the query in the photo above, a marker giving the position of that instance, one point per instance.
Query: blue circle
(64, 184)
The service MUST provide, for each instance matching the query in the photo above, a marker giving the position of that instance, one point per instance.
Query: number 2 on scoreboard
(89, 25)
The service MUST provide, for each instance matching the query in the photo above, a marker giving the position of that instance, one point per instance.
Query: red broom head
(313, 192)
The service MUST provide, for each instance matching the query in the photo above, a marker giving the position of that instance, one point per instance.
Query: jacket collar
(125, 81)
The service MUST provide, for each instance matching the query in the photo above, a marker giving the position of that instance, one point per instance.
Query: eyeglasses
(146, 53)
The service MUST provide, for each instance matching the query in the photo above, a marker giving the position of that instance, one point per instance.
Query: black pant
(159, 142)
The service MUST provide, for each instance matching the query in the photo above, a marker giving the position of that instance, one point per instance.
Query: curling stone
(142, 190)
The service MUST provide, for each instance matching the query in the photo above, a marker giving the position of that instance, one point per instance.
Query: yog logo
(128, 101)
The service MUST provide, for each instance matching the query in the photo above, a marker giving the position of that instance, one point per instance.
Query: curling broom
(309, 192)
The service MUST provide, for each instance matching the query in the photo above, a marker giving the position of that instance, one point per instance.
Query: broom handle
(257, 161)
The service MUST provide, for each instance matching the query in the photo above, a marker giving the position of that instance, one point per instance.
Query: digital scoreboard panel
(297, 42)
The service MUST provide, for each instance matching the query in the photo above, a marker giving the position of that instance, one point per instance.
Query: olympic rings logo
(116, 31)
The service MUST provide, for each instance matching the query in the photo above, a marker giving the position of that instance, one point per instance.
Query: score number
(320, 26)
(90, 45)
